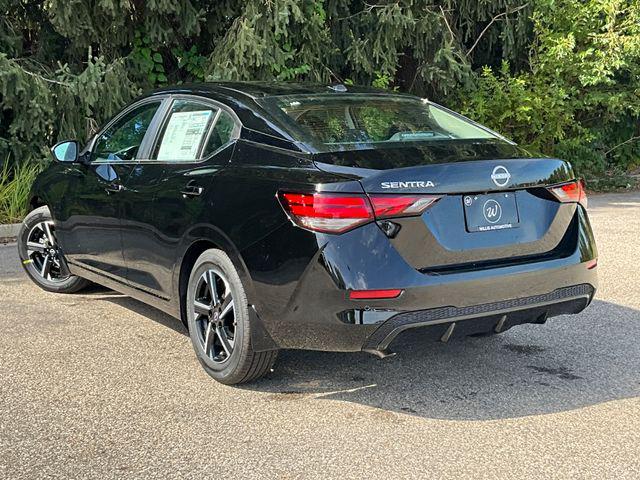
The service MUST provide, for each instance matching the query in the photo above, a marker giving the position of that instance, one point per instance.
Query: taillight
(571, 192)
(386, 206)
(331, 213)
(338, 212)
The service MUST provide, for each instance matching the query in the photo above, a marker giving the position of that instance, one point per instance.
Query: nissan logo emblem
(500, 176)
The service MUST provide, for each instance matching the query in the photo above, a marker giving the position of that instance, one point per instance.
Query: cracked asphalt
(98, 385)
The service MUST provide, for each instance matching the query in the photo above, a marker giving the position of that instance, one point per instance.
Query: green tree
(579, 97)
(560, 77)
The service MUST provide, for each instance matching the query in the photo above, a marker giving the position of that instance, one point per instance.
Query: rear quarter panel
(274, 251)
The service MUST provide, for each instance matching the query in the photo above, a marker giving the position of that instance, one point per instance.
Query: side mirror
(66, 151)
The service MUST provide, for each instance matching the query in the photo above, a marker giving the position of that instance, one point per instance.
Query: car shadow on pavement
(569, 363)
(103, 293)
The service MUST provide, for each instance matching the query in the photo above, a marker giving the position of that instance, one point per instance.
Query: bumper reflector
(374, 294)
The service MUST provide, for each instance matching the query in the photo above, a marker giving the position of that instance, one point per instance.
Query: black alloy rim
(214, 314)
(43, 253)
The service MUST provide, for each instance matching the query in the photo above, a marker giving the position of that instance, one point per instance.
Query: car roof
(258, 90)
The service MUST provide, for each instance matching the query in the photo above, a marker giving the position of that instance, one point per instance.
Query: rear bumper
(495, 317)
(320, 316)
(310, 307)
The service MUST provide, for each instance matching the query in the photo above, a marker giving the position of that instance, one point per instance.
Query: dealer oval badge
(500, 176)
(492, 211)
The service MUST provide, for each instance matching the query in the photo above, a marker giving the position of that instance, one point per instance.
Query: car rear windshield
(358, 121)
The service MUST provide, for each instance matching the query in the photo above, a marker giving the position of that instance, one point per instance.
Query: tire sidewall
(220, 262)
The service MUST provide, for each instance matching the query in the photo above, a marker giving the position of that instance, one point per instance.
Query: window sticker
(183, 135)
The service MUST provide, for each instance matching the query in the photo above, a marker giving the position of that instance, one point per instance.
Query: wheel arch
(40, 193)
(36, 202)
(198, 240)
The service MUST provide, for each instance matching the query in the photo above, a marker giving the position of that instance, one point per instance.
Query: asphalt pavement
(98, 385)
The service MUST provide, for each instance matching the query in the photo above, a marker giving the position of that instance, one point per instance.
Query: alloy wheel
(43, 253)
(214, 315)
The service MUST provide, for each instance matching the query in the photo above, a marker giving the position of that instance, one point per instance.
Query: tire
(40, 256)
(219, 324)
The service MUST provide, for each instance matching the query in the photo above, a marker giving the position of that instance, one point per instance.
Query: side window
(185, 131)
(222, 132)
(122, 140)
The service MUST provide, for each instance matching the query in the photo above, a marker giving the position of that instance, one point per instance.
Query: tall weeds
(15, 186)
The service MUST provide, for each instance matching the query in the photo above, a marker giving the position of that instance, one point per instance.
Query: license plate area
(492, 211)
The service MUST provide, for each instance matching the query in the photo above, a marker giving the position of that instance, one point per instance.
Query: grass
(15, 186)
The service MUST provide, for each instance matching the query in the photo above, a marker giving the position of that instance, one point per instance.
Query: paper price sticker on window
(183, 135)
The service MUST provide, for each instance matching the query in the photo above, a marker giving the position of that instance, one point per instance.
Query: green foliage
(579, 97)
(274, 40)
(15, 187)
(191, 62)
(521, 107)
(382, 80)
(38, 109)
(147, 62)
(561, 77)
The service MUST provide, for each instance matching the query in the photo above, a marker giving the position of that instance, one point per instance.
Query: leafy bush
(579, 98)
(521, 107)
(585, 158)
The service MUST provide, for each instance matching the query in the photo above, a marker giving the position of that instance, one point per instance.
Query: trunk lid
(446, 238)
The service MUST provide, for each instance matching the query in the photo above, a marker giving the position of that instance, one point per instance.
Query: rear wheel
(218, 318)
(41, 256)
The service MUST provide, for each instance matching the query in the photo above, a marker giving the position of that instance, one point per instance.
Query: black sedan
(318, 217)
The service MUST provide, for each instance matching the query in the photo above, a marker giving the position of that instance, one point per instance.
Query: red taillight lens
(331, 213)
(385, 206)
(338, 212)
(571, 192)
(374, 294)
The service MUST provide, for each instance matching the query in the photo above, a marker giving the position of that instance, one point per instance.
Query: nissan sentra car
(292, 216)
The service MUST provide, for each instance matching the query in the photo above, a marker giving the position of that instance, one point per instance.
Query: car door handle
(191, 190)
(114, 188)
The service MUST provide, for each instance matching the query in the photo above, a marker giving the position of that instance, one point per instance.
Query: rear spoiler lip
(457, 177)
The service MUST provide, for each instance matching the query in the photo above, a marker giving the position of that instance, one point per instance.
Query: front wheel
(218, 317)
(41, 257)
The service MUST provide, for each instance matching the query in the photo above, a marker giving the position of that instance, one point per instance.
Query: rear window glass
(349, 122)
